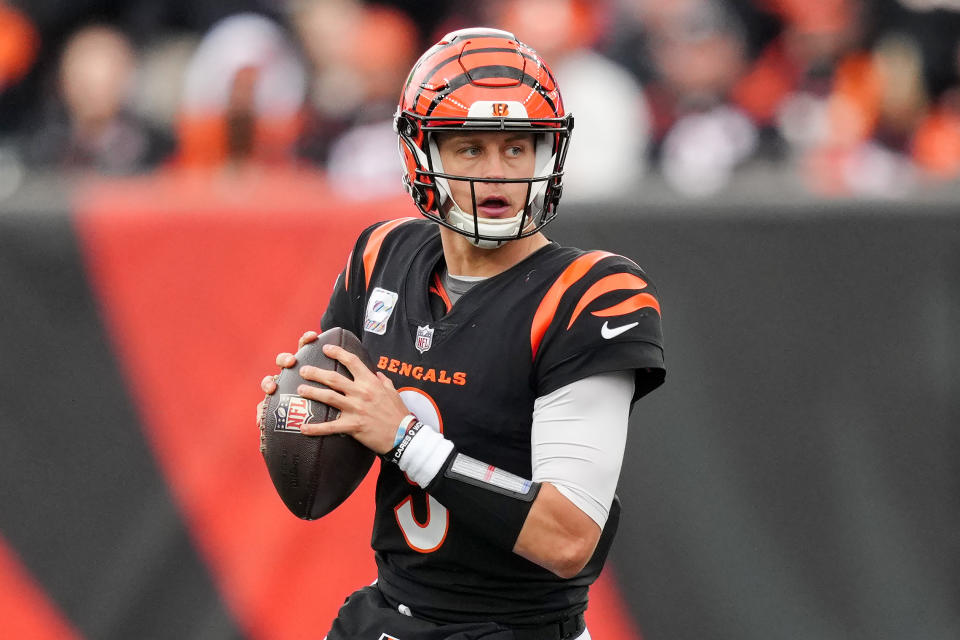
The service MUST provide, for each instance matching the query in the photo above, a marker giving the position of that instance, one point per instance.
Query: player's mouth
(494, 206)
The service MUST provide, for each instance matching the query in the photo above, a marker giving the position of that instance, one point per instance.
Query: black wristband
(492, 501)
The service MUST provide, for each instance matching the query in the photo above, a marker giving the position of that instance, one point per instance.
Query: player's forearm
(556, 534)
(536, 521)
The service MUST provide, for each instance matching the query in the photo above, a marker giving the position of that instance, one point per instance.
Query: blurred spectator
(90, 125)
(877, 101)
(363, 160)
(163, 67)
(846, 114)
(19, 42)
(933, 29)
(936, 145)
(360, 54)
(243, 96)
(324, 29)
(698, 51)
(610, 111)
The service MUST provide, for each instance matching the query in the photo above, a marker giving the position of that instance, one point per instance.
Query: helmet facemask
(431, 189)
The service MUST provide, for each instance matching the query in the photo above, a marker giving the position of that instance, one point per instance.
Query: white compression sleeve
(578, 437)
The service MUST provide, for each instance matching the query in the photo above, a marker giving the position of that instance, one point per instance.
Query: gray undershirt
(456, 286)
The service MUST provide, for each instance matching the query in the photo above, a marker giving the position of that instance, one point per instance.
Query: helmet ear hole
(419, 196)
(405, 126)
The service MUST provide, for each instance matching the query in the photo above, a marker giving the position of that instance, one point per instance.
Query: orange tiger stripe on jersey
(372, 250)
(551, 301)
(629, 305)
(613, 283)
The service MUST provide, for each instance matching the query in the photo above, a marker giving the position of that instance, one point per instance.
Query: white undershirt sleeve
(578, 438)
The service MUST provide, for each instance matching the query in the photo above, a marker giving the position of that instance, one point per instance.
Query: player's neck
(464, 259)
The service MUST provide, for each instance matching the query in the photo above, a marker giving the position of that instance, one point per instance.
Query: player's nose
(492, 165)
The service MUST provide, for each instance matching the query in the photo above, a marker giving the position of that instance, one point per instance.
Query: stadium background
(797, 477)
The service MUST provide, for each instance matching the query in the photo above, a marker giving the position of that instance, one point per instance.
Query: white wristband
(402, 429)
(424, 456)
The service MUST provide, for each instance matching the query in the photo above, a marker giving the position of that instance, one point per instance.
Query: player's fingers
(260, 412)
(269, 384)
(326, 396)
(387, 382)
(332, 379)
(326, 428)
(306, 338)
(357, 369)
(286, 360)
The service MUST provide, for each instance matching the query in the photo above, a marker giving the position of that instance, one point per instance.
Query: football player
(507, 364)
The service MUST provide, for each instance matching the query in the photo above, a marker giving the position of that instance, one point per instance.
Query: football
(312, 474)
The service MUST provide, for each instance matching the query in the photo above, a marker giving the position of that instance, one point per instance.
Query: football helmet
(482, 79)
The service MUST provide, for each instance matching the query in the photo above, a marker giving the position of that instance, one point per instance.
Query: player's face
(494, 154)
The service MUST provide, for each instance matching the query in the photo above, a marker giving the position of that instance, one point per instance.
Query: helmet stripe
(443, 63)
(493, 71)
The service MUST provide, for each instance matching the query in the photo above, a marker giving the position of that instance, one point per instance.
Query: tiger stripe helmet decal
(482, 79)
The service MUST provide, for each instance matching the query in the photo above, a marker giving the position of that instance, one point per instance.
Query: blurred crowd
(855, 97)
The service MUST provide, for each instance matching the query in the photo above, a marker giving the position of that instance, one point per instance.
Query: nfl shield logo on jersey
(424, 338)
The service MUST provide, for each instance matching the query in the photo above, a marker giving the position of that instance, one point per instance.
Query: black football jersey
(474, 371)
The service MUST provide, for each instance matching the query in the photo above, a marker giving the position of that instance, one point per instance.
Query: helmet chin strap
(507, 228)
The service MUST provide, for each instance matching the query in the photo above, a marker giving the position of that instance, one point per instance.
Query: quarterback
(507, 365)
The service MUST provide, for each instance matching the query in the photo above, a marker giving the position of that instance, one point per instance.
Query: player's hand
(285, 361)
(370, 407)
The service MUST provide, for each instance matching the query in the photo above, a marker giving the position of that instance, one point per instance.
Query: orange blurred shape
(384, 36)
(19, 42)
(936, 144)
(764, 87)
(552, 26)
(815, 16)
(855, 101)
(205, 140)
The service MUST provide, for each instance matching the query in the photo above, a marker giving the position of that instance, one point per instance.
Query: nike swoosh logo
(609, 333)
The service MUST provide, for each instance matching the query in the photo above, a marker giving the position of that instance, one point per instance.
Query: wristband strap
(396, 453)
(402, 429)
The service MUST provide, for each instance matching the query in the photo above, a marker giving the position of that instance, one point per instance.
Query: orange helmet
(482, 79)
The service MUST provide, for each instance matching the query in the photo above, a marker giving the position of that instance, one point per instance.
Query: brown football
(312, 474)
